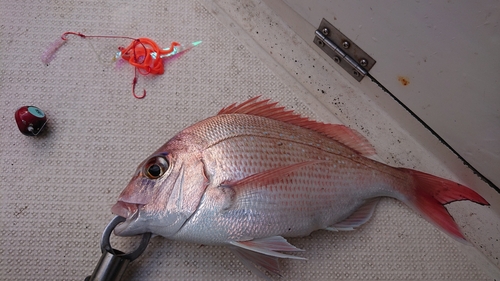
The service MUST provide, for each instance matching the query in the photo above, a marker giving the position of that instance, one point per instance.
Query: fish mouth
(126, 209)
(130, 211)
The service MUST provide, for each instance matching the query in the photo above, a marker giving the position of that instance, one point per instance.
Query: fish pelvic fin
(262, 252)
(431, 193)
(268, 109)
(253, 259)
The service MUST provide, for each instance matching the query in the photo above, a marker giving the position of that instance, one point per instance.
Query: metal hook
(113, 263)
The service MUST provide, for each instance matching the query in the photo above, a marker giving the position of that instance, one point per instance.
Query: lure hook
(134, 83)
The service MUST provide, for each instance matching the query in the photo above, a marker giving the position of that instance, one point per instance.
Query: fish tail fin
(431, 193)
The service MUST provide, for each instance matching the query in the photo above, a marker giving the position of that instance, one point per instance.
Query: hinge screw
(346, 45)
(356, 73)
(321, 43)
(325, 31)
(363, 62)
(336, 59)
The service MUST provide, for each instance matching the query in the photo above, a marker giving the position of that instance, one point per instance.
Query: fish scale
(256, 173)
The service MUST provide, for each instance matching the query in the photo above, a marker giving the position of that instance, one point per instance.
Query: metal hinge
(343, 51)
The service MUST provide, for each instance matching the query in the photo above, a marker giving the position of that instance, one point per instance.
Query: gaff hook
(113, 263)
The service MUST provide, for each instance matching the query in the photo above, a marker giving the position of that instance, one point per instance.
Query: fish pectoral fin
(268, 176)
(246, 190)
(262, 252)
(359, 217)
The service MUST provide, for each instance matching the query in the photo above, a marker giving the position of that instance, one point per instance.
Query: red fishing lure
(143, 53)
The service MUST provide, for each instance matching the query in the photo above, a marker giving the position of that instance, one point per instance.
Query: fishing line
(465, 162)
(98, 55)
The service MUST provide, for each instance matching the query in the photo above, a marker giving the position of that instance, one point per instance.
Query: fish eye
(154, 170)
(156, 167)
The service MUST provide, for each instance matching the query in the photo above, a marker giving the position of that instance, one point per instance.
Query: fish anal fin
(268, 176)
(340, 133)
(359, 217)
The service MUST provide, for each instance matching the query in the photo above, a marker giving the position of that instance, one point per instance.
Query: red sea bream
(256, 173)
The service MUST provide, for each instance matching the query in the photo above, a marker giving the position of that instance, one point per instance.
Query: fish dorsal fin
(268, 109)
